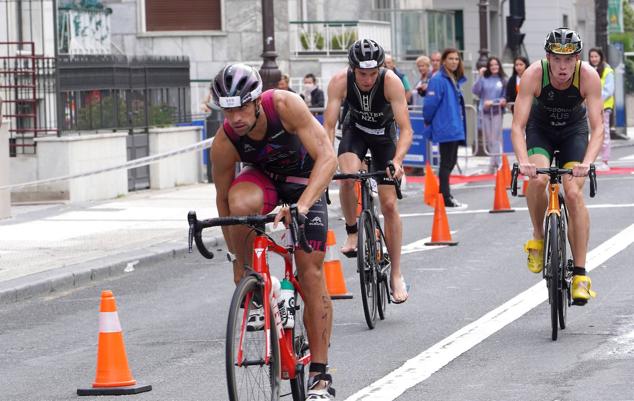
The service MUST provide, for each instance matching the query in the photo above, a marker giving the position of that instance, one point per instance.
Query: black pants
(448, 159)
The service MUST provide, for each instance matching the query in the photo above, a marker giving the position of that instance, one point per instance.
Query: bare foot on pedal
(349, 249)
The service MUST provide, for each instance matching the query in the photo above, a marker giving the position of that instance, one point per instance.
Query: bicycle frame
(288, 361)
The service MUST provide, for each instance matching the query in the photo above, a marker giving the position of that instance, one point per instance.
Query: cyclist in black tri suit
(557, 97)
(376, 100)
(290, 160)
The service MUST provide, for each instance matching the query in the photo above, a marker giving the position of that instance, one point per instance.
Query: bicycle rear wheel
(249, 377)
(300, 346)
(552, 242)
(366, 262)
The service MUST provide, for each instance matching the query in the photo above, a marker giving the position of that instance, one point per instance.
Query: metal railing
(333, 38)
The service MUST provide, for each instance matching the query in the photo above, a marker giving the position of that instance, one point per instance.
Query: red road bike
(258, 358)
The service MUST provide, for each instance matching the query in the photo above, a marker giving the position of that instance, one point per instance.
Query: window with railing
(334, 37)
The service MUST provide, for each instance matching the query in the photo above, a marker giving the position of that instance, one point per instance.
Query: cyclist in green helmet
(557, 97)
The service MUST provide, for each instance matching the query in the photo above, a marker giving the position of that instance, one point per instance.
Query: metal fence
(104, 92)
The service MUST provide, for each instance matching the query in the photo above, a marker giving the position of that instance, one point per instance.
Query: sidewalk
(55, 247)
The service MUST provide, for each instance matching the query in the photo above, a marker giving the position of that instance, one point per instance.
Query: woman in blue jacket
(444, 115)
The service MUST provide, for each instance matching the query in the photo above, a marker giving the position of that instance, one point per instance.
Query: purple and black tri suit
(280, 165)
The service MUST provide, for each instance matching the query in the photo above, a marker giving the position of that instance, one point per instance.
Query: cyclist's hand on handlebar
(580, 170)
(283, 215)
(398, 170)
(528, 169)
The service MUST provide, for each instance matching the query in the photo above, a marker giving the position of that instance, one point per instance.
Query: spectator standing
(424, 68)
(389, 64)
(436, 63)
(606, 73)
(490, 88)
(312, 95)
(444, 115)
(284, 83)
(520, 64)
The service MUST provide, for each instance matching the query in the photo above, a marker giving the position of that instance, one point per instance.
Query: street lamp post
(269, 71)
(483, 6)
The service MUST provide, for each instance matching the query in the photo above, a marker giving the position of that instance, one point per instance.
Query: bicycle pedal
(579, 302)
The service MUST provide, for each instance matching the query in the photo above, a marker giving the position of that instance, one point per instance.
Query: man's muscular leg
(245, 198)
(579, 223)
(349, 163)
(393, 239)
(317, 304)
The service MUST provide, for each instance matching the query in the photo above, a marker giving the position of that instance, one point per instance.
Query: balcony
(333, 38)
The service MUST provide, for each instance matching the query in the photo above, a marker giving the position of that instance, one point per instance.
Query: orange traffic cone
(333, 273)
(113, 374)
(507, 171)
(440, 234)
(524, 187)
(501, 201)
(357, 191)
(431, 185)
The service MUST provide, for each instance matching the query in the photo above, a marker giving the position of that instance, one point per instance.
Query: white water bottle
(288, 300)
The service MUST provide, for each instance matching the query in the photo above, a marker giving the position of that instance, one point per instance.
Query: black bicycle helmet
(563, 41)
(366, 53)
(236, 85)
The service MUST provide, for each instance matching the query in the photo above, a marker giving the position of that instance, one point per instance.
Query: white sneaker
(255, 320)
(327, 393)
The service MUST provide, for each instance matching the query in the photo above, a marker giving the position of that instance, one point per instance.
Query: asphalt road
(174, 312)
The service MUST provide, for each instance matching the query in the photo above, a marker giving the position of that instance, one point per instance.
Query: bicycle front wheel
(366, 262)
(384, 267)
(552, 262)
(249, 375)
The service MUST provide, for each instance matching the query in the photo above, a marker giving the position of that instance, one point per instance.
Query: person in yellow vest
(607, 94)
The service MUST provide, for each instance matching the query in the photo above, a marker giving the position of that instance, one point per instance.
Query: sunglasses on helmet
(559, 48)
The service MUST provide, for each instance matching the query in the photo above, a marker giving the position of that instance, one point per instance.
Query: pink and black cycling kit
(280, 165)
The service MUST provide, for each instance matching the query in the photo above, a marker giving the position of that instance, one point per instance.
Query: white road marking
(520, 209)
(419, 246)
(431, 360)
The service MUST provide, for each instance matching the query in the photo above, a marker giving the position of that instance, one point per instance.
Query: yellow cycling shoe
(581, 291)
(535, 261)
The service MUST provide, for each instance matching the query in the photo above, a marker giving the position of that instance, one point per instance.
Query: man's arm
(336, 93)
(522, 109)
(591, 90)
(224, 157)
(394, 93)
(297, 118)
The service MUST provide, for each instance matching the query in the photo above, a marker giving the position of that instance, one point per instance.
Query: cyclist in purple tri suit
(290, 160)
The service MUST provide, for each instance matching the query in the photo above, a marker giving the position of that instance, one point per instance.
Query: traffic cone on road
(501, 202)
(113, 374)
(440, 233)
(524, 187)
(431, 185)
(507, 171)
(333, 272)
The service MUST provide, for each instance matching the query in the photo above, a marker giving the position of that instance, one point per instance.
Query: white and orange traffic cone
(440, 233)
(113, 374)
(333, 273)
(501, 201)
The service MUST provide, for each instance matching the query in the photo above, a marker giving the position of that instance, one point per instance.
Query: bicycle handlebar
(196, 227)
(375, 174)
(555, 171)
